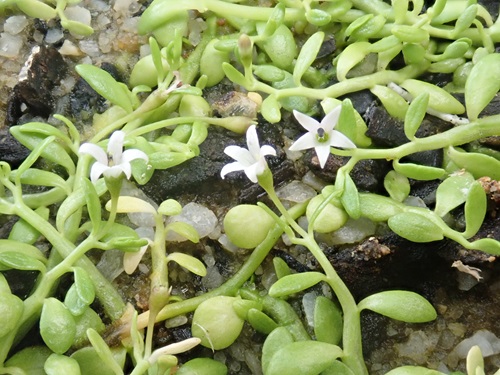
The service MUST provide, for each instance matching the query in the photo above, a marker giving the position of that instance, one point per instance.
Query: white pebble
(487, 341)
(10, 45)
(79, 14)
(201, 218)
(89, 47)
(54, 35)
(15, 24)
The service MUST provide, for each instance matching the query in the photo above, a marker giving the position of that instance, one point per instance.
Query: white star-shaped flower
(115, 161)
(321, 136)
(250, 161)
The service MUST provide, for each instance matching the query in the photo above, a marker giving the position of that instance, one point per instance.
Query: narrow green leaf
(410, 34)
(415, 227)
(188, 262)
(84, 285)
(488, 245)
(21, 248)
(157, 59)
(20, 261)
(401, 305)
(350, 57)
(418, 172)
(23, 232)
(479, 165)
(39, 177)
(128, 204)
(106, 86)
(260, 321)
(394, 103)
(350, 198)
(452, 192)
(307, 55)
(347, 120)
(46, 130)
(415, 115)
(91, 363)
(377, 207)
(103, 351)
(57, 326)
(482, 84)
(338, 368)
(275, 20)
(295, 283)
(303, 357)
(439, 99)
(93, 204)
(328, 322)
(234, 75)
(36, 9)
(269, 73)
(184, 229)
(466, 18)
(281, 268)
(475, 209)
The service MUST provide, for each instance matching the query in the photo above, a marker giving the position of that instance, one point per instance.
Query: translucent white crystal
(487, 341)
(296, 192)
(54, 35)
(15, 24)
(201, 218)
(10, 45)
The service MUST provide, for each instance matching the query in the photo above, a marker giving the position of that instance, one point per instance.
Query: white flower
(115, 161)
(321, 136)
(250, 161)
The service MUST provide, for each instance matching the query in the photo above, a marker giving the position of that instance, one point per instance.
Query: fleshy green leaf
(234, 75)
(439, 99)
(271, 109)
(260, 321)
(307, 55)
(106, 86)
(185, 230)
(475, 209)
(295, 283)
(23, 232)
(11, 311)
(415, 115)
(394, 104)
(57, 326)
(479, 165)
(350, 198)
(452, 192)
(73, 302)
(202, 366)
(397, 186)
(36, 9)
(350, 57)
(338, 368)
(90, 362)
(417, 171)
(20, 261)
(377, 207)
(328, 322)
(277, 339)
(466, 18)
(281, 268)
(84, 285)
(128, 204)
(39, 177)
(303, 357)
(170, 207)
(103, 351)
(481, 87)
(410, 34)
(488, 245)
(30, 360)
(413, 370)
(415, 227)
(189, 262)
(58, 364)
(401, 305)
(93, 204)
(475, 361)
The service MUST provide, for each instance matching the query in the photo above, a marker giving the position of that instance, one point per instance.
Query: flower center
(321, 135)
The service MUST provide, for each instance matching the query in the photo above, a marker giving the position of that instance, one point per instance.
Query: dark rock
(361, 100)
(327, 48)
(11, 151)
(386, 131)
(32, 96)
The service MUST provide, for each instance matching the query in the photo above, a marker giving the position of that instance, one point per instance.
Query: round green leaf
(57, 326)
(452, 192)
(329, 219)
(295, 283)
(328, 322)
(277, 339)
(303, 357)
(58, 364)
(216, 323)
(401, 305)
(202, 366)
(30, 360)
(397, 186)
(271, 109)
(247, 225)
(413, 370)
(415, 227)
(11, 311)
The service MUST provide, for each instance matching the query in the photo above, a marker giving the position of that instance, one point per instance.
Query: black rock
(32, 96)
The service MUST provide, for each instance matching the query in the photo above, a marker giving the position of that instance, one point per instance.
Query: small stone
(201, 218)
(296, 192)
(15, 24)
(54, 36)
(90, 47)
(10, 45)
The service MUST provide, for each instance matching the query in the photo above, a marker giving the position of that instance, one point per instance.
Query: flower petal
(337, 139)
(240, 154)
(133, 154)
(115, 146)
(95, 151)
(306, 141)
(253, 171)
(323, 152)
(97, 170)
(231, 167)
(330, 120)
(267, 150)
(253, 142)
(310, 124)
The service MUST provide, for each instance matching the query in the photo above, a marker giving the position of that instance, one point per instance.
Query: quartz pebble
(201, 218)
(15, 24)
(10, 45)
